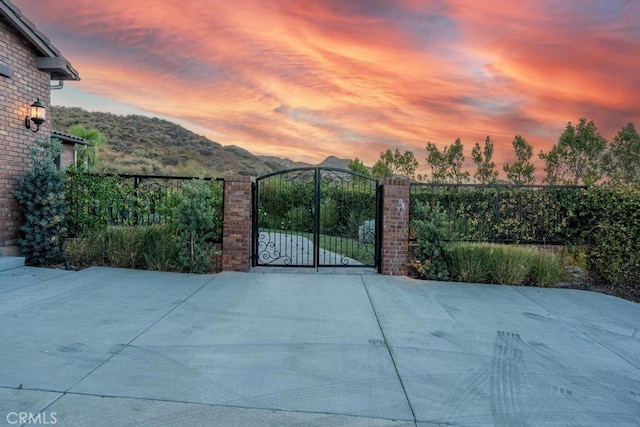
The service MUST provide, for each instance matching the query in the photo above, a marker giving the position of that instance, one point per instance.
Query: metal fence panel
(534, 214)
(129, 200)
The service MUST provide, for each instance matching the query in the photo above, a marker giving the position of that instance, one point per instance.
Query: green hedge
(534, 214)
(607, 223)
(288, 206)
(602, 221)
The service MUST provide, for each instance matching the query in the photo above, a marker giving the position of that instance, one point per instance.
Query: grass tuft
(503, 264)
(154, 247)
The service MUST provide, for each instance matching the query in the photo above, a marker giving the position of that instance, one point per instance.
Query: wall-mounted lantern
(38, 115)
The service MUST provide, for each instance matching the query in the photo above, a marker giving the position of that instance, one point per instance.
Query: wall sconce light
(38, 114)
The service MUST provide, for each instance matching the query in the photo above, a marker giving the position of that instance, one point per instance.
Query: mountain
(279, 163)
(334, 162)
(152, 146)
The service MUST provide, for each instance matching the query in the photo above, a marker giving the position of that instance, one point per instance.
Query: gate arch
(316, 217)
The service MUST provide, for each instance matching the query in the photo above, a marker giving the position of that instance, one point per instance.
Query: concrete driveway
(282, 248)
(112, 347)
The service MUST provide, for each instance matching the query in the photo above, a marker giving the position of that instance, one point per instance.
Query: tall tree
(577, 157)
(486, 172)
(454, 155)
(623, 158)
(446, 165)
(436, 161)
(521, 172)
(94, 137)
(395, 163)
(356, 165)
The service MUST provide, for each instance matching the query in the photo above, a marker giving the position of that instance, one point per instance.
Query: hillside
(143, 145)
(279, 163)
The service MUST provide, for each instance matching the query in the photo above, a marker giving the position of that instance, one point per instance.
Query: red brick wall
(16, 96)
(237, 227)
(68, 155)
(395, 226)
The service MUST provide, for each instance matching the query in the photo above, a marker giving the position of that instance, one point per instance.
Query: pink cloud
(309, 79)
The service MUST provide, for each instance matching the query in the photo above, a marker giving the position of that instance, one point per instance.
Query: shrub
(41, 201)
(468, 263)
(500, 213)
(300, 219)
(86, 250)
(607, 223)
(508, 265)
(329, 223)
(159, 250)
(503, 264)
(196, 228)
(185, 243)
(92, 200)
(122, 247)
(153, 247)
(430, 262)
(545, 269)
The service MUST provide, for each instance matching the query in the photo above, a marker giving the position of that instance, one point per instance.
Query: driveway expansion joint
(386, 344)
(118, 348)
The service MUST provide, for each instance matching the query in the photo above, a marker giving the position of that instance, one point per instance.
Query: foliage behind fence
(498, 213)
(99, 200)
(288, 205)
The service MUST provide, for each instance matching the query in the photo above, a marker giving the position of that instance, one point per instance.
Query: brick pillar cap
(239, 178)
(396, 180)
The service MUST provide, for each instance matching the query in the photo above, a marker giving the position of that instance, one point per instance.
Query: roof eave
(58, 66)
(67, 138)
(61, 68)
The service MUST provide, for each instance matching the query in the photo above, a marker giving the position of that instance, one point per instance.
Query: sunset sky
(306, 79)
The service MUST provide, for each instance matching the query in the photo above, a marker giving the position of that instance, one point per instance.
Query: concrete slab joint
(108, 346)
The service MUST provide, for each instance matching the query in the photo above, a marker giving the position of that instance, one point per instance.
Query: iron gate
(316, 217)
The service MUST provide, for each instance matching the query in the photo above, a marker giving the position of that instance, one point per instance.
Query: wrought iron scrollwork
(310, 217)
(269, 251)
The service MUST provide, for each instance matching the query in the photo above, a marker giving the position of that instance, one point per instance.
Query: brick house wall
(17, 93)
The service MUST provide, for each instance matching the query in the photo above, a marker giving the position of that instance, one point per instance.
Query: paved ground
(111, 347)
(282, 248)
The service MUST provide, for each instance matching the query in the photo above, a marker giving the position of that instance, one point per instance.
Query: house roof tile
(67, 138)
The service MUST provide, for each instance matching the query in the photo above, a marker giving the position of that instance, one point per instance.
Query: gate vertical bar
(316, 220)
(379, 227)
(254, 214)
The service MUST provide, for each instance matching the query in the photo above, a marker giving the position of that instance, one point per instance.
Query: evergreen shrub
(194, 219)
(431, 253)
(41, 201)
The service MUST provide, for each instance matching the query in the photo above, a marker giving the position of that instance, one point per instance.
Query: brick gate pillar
(395, 226)
(237, 226)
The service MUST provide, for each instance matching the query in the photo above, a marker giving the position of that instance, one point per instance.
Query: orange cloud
(308, 79)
